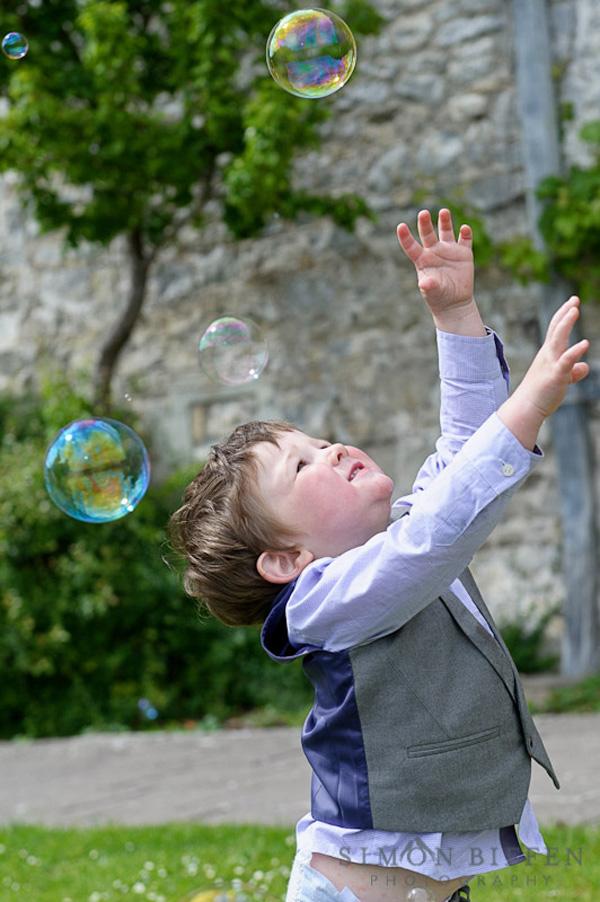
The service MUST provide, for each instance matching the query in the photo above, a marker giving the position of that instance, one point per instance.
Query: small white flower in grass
(274, 862)
(23, 853)
(258, 875)
(162, 872)
(32, 860)
(238, 869)
(149, 865)
(138, 888)
(94, 854)
(15, 886)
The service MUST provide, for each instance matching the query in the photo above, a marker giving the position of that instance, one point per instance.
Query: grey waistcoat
(423, 730)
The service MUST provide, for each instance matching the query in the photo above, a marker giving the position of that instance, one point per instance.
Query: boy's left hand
(444, 266)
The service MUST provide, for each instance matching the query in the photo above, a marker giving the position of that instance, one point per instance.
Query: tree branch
(116, 341)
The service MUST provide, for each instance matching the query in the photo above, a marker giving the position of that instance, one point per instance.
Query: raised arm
(473, 372)
(445, 272)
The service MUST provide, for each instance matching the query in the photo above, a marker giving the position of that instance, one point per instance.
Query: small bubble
(233, 351)
(418, 894)
(14, 45)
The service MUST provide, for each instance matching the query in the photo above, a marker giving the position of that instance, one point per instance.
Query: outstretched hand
(444, 266)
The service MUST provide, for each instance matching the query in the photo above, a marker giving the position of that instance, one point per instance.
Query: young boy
(419, 738)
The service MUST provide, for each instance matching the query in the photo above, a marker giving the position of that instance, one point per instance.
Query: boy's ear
(283, 566)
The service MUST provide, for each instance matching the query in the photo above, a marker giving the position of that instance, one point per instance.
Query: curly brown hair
(222, 527)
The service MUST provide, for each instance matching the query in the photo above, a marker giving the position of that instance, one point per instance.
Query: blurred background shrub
(92, 620)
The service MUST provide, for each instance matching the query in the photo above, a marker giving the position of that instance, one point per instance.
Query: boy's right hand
(556, 365)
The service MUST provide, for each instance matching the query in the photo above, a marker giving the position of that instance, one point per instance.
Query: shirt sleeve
(374, 589)
(474, 382)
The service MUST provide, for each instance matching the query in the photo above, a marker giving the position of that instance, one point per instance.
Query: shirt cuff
(495, 451)
(471, 358)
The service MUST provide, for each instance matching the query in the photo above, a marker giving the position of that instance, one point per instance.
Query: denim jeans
(306, 884)
(309, 885)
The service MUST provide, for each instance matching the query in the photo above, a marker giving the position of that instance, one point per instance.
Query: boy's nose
(336, 452)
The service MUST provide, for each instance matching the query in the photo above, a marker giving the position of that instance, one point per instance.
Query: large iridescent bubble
(14, 45)
(311, 53)
(96, 470)
(233, 351)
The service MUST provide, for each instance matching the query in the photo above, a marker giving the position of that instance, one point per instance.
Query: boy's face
(333, 497)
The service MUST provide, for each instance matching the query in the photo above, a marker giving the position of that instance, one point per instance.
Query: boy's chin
(386, 482)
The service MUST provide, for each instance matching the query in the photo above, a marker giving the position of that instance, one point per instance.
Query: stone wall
(429, 115)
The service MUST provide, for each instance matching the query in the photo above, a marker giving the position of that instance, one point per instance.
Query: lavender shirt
(457, 499)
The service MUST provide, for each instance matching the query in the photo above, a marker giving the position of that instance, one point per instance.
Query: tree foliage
(141, 105)
(128, 116)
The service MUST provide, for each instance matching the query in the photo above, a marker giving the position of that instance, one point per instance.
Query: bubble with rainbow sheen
(311, 53)
(96, 470)
(14, 45)
(233, 351)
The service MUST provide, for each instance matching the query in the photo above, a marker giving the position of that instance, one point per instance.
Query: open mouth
(354, 470)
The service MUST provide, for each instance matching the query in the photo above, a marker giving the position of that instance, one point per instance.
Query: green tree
(128, 116)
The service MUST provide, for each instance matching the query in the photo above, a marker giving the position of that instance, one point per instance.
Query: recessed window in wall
(214, 418)
(198, 424)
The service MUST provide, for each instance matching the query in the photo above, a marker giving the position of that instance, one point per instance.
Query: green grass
(176, 861)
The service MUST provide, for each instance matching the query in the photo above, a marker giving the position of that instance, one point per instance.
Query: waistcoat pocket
(449, 745)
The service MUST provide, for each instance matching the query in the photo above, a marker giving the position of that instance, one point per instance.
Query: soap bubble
(147, 708)
(14, 45)
(96, 470)
(233, 351)
(311, 53)
(418, 894)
